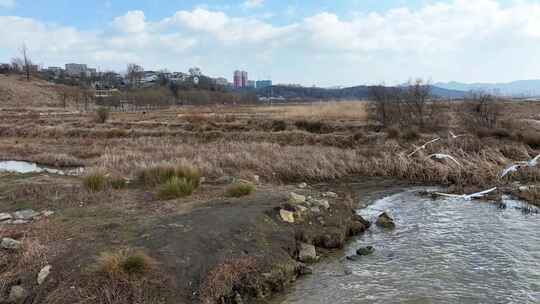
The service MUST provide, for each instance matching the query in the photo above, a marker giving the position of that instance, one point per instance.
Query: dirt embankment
(16, 92)
(219, 250)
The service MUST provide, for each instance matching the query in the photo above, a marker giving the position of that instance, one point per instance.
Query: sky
(308, 42)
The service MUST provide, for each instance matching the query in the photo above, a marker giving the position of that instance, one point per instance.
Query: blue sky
(318, 42)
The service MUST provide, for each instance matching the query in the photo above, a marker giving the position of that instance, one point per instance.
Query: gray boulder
(17, 294)
(307, 253)
(43, 274)
(296, 198)
(287, 216)
(385, 221)
(5, 217)
(10, 244)
(365, 250)
(321, 203)
(25, 215)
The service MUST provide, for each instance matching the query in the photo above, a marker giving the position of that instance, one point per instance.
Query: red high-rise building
(237, 79)
(240, 79)
(244, 79)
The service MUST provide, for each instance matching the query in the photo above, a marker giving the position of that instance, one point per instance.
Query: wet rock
(331, 240)
(17, 294)
(315, 209)
(43, 274)
(296, 198)
(365, 250)
(301, 209)
(357, 217)
(356, 227)
(302, 185)
(25, 215)
(321, 203)
(10, 244)
(304, 270)
(287, 216)
(5, 217)
(307, 253)
(385, 221)
(19, 222)
(330, 194)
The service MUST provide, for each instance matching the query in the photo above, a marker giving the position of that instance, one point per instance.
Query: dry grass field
(167, 181)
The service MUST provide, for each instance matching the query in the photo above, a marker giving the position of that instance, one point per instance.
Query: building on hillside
(91, 72)
(75, 69)
(263, 83)
(195, 72)
(221, 81)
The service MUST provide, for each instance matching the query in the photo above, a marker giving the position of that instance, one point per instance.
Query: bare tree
(27, 65)
(135, 74)
(417, 95)
(482, 110)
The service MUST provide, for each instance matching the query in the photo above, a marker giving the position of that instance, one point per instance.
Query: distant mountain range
(357, 92)
(519, 88)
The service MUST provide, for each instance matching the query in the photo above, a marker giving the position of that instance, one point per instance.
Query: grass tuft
(95, 181)
(177, 187)
(124, 262)
(154, 176)
(240, 189)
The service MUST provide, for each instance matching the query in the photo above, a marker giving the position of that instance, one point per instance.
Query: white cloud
(461, 40)
(7, 3)
(253, 3)
(131, 22)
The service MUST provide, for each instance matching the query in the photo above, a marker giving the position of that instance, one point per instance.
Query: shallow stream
(442, 251)
(28, 167)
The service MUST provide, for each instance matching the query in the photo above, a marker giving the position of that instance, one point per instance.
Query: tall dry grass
(349, 110)
(481, 161)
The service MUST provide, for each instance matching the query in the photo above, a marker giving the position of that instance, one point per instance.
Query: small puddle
(28, 167)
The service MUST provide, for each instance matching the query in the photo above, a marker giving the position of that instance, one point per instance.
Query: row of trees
(415, 105)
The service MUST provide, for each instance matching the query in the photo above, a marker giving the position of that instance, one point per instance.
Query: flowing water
(28, 167)
(442, 251)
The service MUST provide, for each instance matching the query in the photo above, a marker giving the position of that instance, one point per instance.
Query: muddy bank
(246, 249)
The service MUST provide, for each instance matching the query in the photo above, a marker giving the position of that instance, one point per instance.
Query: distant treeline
(357, 92)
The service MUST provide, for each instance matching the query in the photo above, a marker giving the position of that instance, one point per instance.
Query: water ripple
(442, 251)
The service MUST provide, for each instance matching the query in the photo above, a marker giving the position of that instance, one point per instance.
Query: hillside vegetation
(17, 92)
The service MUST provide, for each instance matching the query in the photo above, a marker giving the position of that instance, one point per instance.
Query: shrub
(136, 264)
(102, 114)
(124, 262)
(279, 125)
(177, 187)
(118, 183)
(411, 134)
(393, 132)
(95, 181)
(530, 138)
(311, 126)
(240, 189)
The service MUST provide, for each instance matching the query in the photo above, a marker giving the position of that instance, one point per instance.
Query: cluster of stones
(18, 294)
(301, 205)
(23, 216)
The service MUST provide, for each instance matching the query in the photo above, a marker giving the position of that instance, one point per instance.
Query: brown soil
(191, 239)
